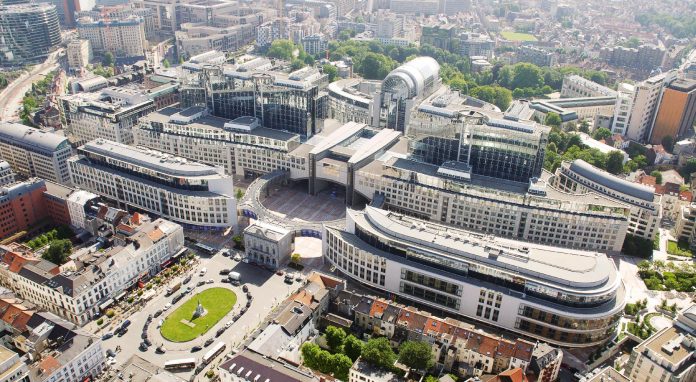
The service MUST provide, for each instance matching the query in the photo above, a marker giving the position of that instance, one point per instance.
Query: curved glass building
(28, 32)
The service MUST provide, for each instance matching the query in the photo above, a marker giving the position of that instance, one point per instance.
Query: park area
(182, 325)
(516, 36)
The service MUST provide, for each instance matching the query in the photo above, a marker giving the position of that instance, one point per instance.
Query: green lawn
(515, 36)
(679, 248)
(217, 301)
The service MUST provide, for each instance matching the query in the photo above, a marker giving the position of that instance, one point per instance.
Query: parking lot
(268, 291)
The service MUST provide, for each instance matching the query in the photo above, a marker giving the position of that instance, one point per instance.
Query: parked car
(147, 342)
(210, 281)
(158, 313)
(225, 271)
(196, 348)
(220, 331)
(142, 347)
(280, 272)
(107, 336)
(248, 304)
(160, 350)
(249, 296)
(159, 324)
(200, 283)
(169, 305)
(187, 279)
(245, 288)
(237, 257)
(209, 341)
(203, 271)
(226, 253)
(110, 353)
(125, 324)
(122, 331)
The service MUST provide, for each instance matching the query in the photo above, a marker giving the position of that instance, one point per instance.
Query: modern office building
(28, 32)
(315, 44)
(79, 54)
(109, 113)
(566, 297)
(240, 146)
(35, 153)
(443, 36)
(193, 194)
(197, 38)
(677, 111)
(123, 37)
(22, 207)
(580, 177)
(351, 99)
(280, 98)
(575, 86)
(403, 87)
(667, 355)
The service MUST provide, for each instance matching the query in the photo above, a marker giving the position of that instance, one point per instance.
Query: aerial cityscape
(347, 190)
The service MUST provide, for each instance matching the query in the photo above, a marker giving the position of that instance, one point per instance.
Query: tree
(601, 133)
(668, 143)
(375, 66)
(657, 175)
(295, 258)
(526, 75)
(282, 49)
(352, 347)
(584, 127)
(331, 71)
(341, 364)
(552, 119)
(239, 194)
(334, 336)
(378, 352)
(296, 64)
(689, 168)
(416, 355)
(310, 353)
(108, 59)
(238, 241)
(166, 63)
(615, 160)
(58, 251)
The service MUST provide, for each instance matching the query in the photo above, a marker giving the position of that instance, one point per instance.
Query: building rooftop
(250, 366)
(374, 373)
(31, 138)
(670, 345)
(150, 159)
(606, 179)
(140, 370)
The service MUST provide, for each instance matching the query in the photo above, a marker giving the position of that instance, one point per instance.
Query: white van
(203, 271)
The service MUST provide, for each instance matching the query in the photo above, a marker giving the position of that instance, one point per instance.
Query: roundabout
(198, 315)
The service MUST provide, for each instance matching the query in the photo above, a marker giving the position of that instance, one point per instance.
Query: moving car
(107, 336)
(196, 348)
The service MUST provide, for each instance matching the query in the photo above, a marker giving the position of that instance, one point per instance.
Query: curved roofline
(613, 182)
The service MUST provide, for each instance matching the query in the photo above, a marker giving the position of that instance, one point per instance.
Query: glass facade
(28, 32)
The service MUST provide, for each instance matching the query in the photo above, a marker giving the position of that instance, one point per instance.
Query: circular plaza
(198, 315)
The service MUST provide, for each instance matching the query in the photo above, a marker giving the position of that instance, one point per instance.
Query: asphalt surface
(268, 291)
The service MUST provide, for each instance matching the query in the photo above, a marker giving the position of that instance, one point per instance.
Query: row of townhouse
(91, 279)
(457, 347)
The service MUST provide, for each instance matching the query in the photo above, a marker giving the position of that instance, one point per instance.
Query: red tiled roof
(523, 349)
(378, 307)
(48, 365)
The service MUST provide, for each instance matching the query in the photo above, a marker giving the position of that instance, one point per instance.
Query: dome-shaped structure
(414, 78)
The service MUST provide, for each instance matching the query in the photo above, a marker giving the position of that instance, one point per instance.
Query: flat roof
(668, 345)
(31, 138)
(568, 268)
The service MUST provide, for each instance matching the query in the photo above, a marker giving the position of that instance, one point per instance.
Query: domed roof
(414, 75)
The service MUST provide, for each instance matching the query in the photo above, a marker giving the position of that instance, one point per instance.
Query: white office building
(562, 296)
(123, 37)
(196, 195)
(35, 153)
(646, 100)
(267, 244)
(79, 54)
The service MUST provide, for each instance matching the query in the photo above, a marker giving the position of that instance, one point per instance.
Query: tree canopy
(378, 352)
(416, 355)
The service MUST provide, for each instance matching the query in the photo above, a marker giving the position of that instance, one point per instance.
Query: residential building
(141, 370)
(667, 355)
(110, 113)
(361, 371)
(245, 366)
(80, 205)
(425, 7)
(80, 290)
(28, 32)
(519, 286)
(55, 200)
(315, 44)
(12, 368)
(575, 86)
(608, 374)
(22, 207)
(535, 55)
(124, 37)
(62, 351)
(546, 362)
(685, 228)
(580, 177)
(7, 176)
(35, 153)
(193, 194)
(645, 58)
(476, 45)
(389, 25)
(267, 245)
(646, 97)
(622, 109)
(677, 111)
(122, 12)
(79, 54)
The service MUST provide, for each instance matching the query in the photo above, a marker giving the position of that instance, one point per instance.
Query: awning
(120, 295)
(106, 304)
(181, 252)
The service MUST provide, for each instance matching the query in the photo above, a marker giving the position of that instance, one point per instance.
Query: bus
(214, 352)
(180, 364)
(208, 250)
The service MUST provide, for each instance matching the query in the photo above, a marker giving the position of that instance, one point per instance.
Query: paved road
(268, 291)
(11, 96)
